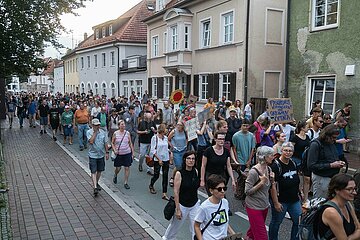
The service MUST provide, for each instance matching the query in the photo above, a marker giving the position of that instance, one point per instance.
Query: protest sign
(176, 96)
(280, 110)
(192, 98)
(204, 115)
(190, 128)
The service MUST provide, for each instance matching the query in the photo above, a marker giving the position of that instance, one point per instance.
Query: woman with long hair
(238, 108)
(338, 216)
(160, 153)
(280, 139)
(186, 184)
(124, 151)
(257, 186)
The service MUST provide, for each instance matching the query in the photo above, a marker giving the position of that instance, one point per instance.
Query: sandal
(152, 190)
(164, 197)
(171, 182)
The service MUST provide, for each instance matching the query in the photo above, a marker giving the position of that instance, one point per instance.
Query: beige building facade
(201, 47)
(71, 72)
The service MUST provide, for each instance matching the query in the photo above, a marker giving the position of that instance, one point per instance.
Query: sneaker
(98, 187)
(126, 186)
(21, 126)
(10, 127)
(115, 179)
(81, 149)
(55, 139)
(287, 215)
(140, 168)
(96, 191)
(34, 126)
(45, 131)
(41, 132)
(85, 146)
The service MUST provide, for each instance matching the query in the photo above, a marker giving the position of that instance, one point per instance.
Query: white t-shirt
(218, 227)
(313, 134)
(286, 129)
(247, 111)
(95, 111)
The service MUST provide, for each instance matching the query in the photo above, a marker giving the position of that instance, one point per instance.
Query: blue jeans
(294, 210)
(82, 129)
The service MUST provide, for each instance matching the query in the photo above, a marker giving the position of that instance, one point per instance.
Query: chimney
(85, 36)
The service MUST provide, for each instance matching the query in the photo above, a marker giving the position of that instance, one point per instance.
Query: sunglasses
(221, 139)
(221, 188)
(327, 118)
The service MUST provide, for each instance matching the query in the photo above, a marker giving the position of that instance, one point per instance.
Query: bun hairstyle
(263, 152)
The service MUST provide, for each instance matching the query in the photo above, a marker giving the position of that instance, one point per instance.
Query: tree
(25, 27)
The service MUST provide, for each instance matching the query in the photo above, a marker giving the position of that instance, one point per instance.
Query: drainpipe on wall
(286, 90)
(118, 66)
(246, 52)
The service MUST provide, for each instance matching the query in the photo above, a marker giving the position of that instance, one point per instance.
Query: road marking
(117, 199)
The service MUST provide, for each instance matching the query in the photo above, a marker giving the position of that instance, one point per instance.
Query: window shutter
(232, 94)
(177, 82)
(216, 89)
(196, 85)
(150, 86)
(160, 87)
(171, 85)
(210, 89)
(188, 85)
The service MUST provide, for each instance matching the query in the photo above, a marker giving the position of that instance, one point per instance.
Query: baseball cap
(67, 106)
(95, 122)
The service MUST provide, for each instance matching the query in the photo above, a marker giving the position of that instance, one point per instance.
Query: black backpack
(309, 221)
(304, 156)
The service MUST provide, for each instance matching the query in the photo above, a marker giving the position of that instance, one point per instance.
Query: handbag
(150, 160)
(113, 155)
(212, 218)
(169, 208)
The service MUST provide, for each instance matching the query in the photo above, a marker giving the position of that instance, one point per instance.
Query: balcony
(133, 64)
(178, 62)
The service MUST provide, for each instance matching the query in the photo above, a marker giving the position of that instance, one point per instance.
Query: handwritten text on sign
(280, 110)
(190, 127)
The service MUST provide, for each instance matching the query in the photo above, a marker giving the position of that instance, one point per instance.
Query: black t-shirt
(44, 110)
(54, 114)
(216, 164)
(119, 107)
(144, 125)
(190, 183)
(300, 145)
(288, 182)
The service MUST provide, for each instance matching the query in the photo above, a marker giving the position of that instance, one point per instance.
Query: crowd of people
(232, 141)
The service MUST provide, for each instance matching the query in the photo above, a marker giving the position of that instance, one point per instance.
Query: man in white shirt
(314, 131)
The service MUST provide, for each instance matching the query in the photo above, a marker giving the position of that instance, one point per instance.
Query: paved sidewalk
(51, 196)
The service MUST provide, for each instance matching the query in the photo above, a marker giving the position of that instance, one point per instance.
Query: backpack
(356, 201)
(279, 165)
(305, 154)
(308, 226)
(216, 114)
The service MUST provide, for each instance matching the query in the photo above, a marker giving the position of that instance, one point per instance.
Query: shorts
(178, 158)
(96, 164)
(43, 120)
(68, 131)
(123, 160)
(54, 124)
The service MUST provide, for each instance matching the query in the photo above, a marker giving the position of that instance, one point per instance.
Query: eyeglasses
(351, 190)
(221, 188)
(287, 150)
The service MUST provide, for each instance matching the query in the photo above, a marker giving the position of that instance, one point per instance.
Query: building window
(228, 27)
(323, 89)
(155, 46)
(76, 64)
(104, 88)
(112, 89)
(154, 87)
(126, 88)
(103, 32)
(110, 30)
(167, 90)
(325, 14)
(174, 38)
(165, 42)
(182, 84)
(82, 88)
(187, 37)
(225, 85)
(139, 87)
(89, 86)
(112, 58)
(103, 59)
(160, 4)
(95, 61)
(203, 87)
(206, 33)
(97, 33)
(88, 61)
(96, 86)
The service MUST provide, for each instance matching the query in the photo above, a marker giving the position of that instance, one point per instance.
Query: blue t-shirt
(97, 149)
(339, 146)
(244, 144)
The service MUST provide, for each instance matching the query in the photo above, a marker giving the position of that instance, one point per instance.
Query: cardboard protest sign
(193, 99)
(204, 115)
(190, 128)
(280, 110)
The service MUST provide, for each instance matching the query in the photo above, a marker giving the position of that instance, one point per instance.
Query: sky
(95, 12)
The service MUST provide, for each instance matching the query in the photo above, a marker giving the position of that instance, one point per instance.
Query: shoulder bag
(203, 230)
(150, 160)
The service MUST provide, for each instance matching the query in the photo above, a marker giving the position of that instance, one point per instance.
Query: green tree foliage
(25, 27)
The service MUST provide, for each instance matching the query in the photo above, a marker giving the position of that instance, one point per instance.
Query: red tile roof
(132, 28)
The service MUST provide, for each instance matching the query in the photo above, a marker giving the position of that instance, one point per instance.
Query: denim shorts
(96, 164)
(43, 120)
(68, 131)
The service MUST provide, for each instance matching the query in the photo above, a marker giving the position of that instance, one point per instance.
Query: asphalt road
(149, 207)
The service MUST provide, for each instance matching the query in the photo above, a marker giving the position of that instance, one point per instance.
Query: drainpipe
(286, 90)
(246, 52)
(118, 66)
